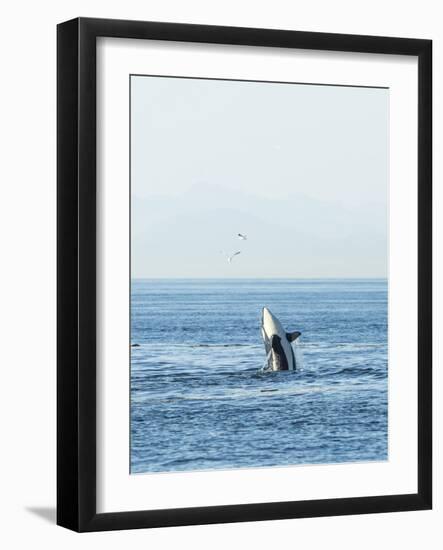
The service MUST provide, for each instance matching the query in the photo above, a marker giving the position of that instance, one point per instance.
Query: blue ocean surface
(199, 397)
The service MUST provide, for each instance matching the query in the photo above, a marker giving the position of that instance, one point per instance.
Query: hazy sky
(301, 169)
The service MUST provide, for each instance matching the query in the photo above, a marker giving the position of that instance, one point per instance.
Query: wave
(219, 345)
(300, 343)
(156, 345)
(254, 393)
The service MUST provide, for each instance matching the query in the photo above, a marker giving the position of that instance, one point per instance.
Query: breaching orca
(279, 352)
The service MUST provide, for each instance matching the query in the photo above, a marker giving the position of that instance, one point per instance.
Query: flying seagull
(242, 237)
(230, 256)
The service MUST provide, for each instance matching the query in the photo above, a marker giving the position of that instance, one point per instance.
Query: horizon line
(263, 278)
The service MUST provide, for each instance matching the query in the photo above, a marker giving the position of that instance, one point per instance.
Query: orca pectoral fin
(292, 336)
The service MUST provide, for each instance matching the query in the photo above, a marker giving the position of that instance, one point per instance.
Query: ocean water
(199, 397)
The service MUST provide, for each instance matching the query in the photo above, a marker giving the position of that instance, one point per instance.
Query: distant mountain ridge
(299, 236)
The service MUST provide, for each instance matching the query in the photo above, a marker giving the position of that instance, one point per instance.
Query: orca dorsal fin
(292, 336)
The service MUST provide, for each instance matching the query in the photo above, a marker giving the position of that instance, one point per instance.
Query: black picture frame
(76, 280)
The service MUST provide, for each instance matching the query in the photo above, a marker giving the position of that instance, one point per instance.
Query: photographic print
(244, 274)
(259, 274)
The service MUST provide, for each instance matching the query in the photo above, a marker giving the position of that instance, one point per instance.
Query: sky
(302, 170)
